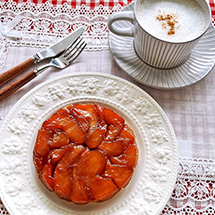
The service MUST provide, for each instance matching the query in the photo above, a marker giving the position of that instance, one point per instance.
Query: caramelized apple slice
(38, 162)
(112, 148)
(93, 163)
(68, 124)
(120, 175)
(70, 110)
(128, 158)
(96, 136)
(100, 112)
(84, 123)
(117, 146)
(89, 112)
(46, 175)
(74, 131)
(54, 122)
(126, 135)
(113, 131)
(80, 192)
(115, 124)
(60, 139)
(56, 154)
(101, 188)
(41, 148)
(64, 170)
(111, 118)
(64, 110)
(62, 183)
(43, 142)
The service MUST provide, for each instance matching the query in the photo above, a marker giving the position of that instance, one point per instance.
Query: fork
(61, 61)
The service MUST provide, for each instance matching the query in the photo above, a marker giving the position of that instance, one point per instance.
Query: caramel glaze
(85, 153)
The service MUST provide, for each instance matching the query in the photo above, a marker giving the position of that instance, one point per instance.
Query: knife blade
(52, 51)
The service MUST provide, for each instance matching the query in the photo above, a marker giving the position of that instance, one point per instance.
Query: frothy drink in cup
(164, 31)
(175, 20)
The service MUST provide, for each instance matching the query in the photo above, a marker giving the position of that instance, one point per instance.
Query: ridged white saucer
(199, 64)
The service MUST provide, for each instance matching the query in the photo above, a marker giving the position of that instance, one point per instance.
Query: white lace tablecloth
(191, 110)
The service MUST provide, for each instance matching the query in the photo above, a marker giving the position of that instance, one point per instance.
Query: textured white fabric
(191, 110)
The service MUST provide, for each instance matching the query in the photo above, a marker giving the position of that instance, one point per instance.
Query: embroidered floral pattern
(199, 190)
(58, 23)
(3, 50)
(180, 189)
(33, 31)
(61, 27)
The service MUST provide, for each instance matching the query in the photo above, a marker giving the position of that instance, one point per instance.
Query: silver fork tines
(65, 58)
(72, 54)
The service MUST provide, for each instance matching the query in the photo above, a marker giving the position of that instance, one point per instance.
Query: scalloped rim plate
(154, 177)
(199, 64)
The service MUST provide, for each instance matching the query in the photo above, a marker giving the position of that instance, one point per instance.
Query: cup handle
(125, 15)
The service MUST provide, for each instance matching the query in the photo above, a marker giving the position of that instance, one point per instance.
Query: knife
(52, 51)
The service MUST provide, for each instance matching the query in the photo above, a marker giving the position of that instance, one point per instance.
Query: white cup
(155, 50)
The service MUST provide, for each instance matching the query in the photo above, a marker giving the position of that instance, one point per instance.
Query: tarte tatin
(85, 153)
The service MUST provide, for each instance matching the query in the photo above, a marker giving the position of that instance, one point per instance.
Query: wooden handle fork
(11, 88)
(11, 73)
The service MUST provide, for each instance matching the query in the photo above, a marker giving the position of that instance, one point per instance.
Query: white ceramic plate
(199, 64)
(154, 178)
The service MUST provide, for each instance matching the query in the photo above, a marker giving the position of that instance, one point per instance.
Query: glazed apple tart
(85, 153)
